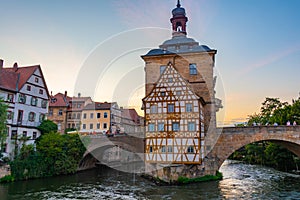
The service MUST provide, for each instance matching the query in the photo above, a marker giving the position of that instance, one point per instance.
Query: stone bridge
(233, 138)
(97, 145)
(229, 140)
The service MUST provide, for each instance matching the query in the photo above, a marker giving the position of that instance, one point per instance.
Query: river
(241, 181)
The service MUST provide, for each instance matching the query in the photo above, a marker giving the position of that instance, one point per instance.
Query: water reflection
(240, 181)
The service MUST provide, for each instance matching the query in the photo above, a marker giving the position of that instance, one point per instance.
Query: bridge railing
(256, 129)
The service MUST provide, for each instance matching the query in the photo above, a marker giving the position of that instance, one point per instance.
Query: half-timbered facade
(174, 121)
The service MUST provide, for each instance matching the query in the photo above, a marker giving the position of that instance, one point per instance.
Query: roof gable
(171, 86)
(14, 78)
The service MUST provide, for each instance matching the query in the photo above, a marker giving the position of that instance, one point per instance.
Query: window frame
(190, 125)
(31, 116)
(193, 69)
(188, 107)
(162, 68)
(151, 127)
(171, 108)
(175, 126)
(159, 126)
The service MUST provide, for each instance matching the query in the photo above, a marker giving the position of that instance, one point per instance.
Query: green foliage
(185, 180)
(3, 117)
(267, 154)
(7, 179)
(275, 111)
(47, 126)
(55, 154)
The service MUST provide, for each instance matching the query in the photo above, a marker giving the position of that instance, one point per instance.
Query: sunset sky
(94, 46)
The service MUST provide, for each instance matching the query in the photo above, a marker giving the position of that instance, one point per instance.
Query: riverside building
(25, 91)
(179, 105)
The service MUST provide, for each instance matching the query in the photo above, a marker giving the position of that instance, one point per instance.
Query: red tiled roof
(97, 106)
(8, 80)
(14, 78)
(131, 114)
(25, 73)
(59, 100)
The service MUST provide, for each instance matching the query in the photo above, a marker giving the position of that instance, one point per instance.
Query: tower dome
(178, 20)
(178, 10)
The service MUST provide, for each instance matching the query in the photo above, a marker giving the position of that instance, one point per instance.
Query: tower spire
(178, 4)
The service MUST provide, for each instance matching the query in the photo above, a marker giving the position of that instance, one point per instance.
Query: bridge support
(170, 173)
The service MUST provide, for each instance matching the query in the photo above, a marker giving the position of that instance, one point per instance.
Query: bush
(185, 180)
(7, 179)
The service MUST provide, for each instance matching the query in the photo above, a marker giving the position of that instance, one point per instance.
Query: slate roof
(179, 44)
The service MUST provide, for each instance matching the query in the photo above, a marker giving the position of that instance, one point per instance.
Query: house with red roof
(25, 91)
(66, 111)
(131, 122)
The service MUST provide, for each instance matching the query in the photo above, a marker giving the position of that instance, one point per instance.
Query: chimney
(79, 95)
(66, 93)
(1, 63)
(15, 66)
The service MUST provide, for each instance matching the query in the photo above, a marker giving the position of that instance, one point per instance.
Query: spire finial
(178, 4)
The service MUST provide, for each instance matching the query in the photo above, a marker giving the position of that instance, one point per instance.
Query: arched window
(178, 27)
(105, 115)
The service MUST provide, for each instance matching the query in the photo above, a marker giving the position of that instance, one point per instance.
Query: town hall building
(179, 104)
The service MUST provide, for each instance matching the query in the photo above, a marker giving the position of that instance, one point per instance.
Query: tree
(3, 117)
(47, 126)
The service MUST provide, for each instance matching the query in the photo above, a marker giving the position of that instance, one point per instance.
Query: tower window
(175, 126)
(191, 126)
(163, 149)
(189, 107)
(151, 127)
(171, 108)
(162, 68)
(178, 27)
(150, 149)
(193, 69)
(153, 109)
(170, 149)
(190, 149)
(161, 127)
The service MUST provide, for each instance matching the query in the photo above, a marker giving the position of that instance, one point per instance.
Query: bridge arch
(234, 138)
(119, 152)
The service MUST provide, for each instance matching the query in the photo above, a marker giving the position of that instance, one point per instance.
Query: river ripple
(241, 181)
